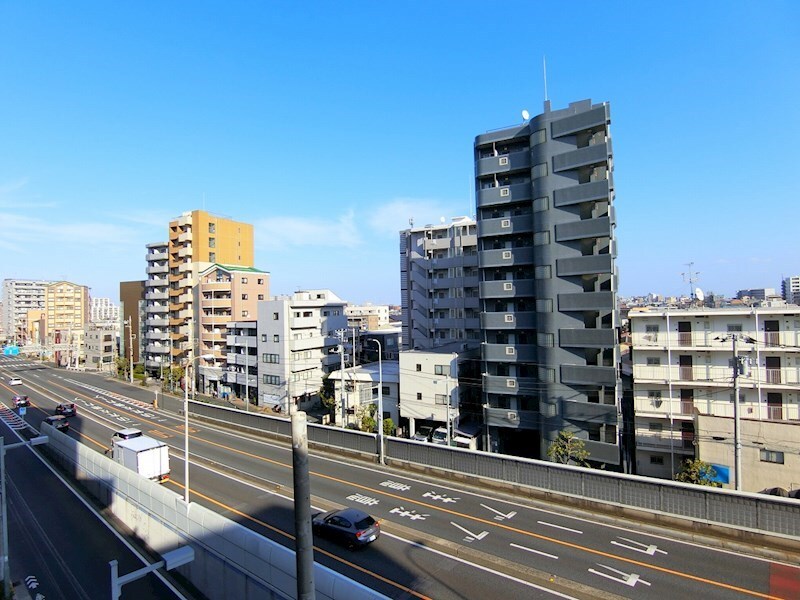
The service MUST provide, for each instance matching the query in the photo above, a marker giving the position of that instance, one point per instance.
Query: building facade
(103, 310)
(99, 347)
(790, 289)
(20, 296)
(240, 376)
(548, 282)
(133, 315)
(439, 284)
(66, 308)
(361, 391)
(223, 293)
(683, 365)
(297, 335)
(367, 316)
(429, 391)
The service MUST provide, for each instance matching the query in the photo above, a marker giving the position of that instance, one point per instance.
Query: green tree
(327, 396)
(122, 367)
(694, 470)
(366, 418)
(568, 449)
(388, 427)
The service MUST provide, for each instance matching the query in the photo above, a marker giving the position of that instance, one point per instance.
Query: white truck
(148, 457)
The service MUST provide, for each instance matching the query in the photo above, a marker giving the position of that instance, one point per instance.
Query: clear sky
(329, 125)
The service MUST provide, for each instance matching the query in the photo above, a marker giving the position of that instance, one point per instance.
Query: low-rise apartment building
(429, 391)
(683, 366)
(361, 390)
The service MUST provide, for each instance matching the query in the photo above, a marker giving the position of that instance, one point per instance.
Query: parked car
(423, 433)
(15, 381)
(67, 409)
(439, 436)
(348, 526)
(58, 421)
(21, 400)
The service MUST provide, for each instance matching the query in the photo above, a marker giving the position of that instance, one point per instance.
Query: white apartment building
(241, 360)
(361, 385)
(790, 289)
(297, 337)
(157, 345)
(367, 316)
(103, 310)
(99, 346)
(439, 284)
(20, 296)
(683, 365)
(429, 378)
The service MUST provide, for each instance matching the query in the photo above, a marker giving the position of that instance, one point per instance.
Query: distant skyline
(329, 126)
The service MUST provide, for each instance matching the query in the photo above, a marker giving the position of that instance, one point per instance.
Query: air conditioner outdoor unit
(512, 416)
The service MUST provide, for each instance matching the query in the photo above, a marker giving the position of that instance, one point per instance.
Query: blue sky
(329, 125)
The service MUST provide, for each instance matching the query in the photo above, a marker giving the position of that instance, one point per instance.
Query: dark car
(67, 409)
(58, 421)
(21, 400)
(348, 526)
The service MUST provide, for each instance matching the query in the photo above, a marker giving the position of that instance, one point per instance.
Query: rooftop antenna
(690, 277)
(544, 70)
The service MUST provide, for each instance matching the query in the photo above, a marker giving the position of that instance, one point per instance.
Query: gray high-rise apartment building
(548, 282)
(20, 296)
(439, 284)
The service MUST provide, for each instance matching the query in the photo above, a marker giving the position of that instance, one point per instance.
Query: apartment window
(271, 358)
(545, 340)
(244, 296)
(245, 314)
(655, 427)
(212, 242)
(440, 399)
(274, 316)
(385, 390)
(656, 460)
(419, 367)
(538, 137)
(212, 228)
(653, 361)
(540, 204)
(212, 257)
(306, 313)
(261, 296)
(772, 456)
(439, 369)
(263, 337)
(271, 379)
(276, 338)
(544, 305)
(542, 272)
(539, 170)
(260, 281)
(733, 328)
(244, 279)
(419, 395)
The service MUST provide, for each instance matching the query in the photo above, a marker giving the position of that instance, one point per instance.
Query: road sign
(22, 411)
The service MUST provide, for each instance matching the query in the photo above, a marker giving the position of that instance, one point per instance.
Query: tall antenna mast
(544, 70)
(691, 278)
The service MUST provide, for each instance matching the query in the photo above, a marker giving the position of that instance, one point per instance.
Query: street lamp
(42, 439)
(380, 400)
(186, 423)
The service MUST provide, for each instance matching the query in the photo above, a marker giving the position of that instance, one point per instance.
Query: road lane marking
(470, 536)
(561, 527)
(650, 549)
(629, 579)
(553, 556)
(500, 516)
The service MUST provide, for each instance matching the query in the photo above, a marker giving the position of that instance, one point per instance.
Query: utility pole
(129, 324)
(340, 334)
(738, 369)
(304, 539)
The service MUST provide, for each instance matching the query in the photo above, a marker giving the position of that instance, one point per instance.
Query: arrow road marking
(644, 548)
(559, 527)
(442, 497)
(629, 579)
(31, 582)
(470, 536)
(500, 516)
(535, 551)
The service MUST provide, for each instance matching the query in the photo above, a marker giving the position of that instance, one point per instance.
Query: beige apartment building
(197, 241)
(223, 294)
(66, 308)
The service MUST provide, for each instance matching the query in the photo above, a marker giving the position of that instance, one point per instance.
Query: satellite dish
(442, 220)
(698, 293)
(525, 115)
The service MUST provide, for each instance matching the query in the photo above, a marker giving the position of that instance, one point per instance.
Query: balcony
(156, 256)
(508, 320)
(583, 301)
(185, 252)
(157, 349)
(588, 375)
(587, 338)
(595, 191)
(594, 118)
(584, 265)
(156, 282)
(156, 322)
(509, 385)
(505, 163)
(588, 228)
(153, 269)
(506, 225)
(597, 154)
(492, 196)
(186, 236)
(506, 289)
(157, 335)
(157, 309)
(509, 353)
(664, 407)
(156, 295)
(505, 257)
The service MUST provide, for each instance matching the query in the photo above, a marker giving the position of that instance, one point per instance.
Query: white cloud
(393, 216)
(293, 232)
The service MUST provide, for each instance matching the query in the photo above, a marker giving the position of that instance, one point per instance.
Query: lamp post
(42, 439)
(380, 400)
(129, 324)
(186, 423)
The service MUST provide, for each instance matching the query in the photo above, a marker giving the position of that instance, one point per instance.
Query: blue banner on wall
(723, 474)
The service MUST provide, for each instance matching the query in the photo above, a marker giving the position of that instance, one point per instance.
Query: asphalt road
(440, 541)
(59, 546)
